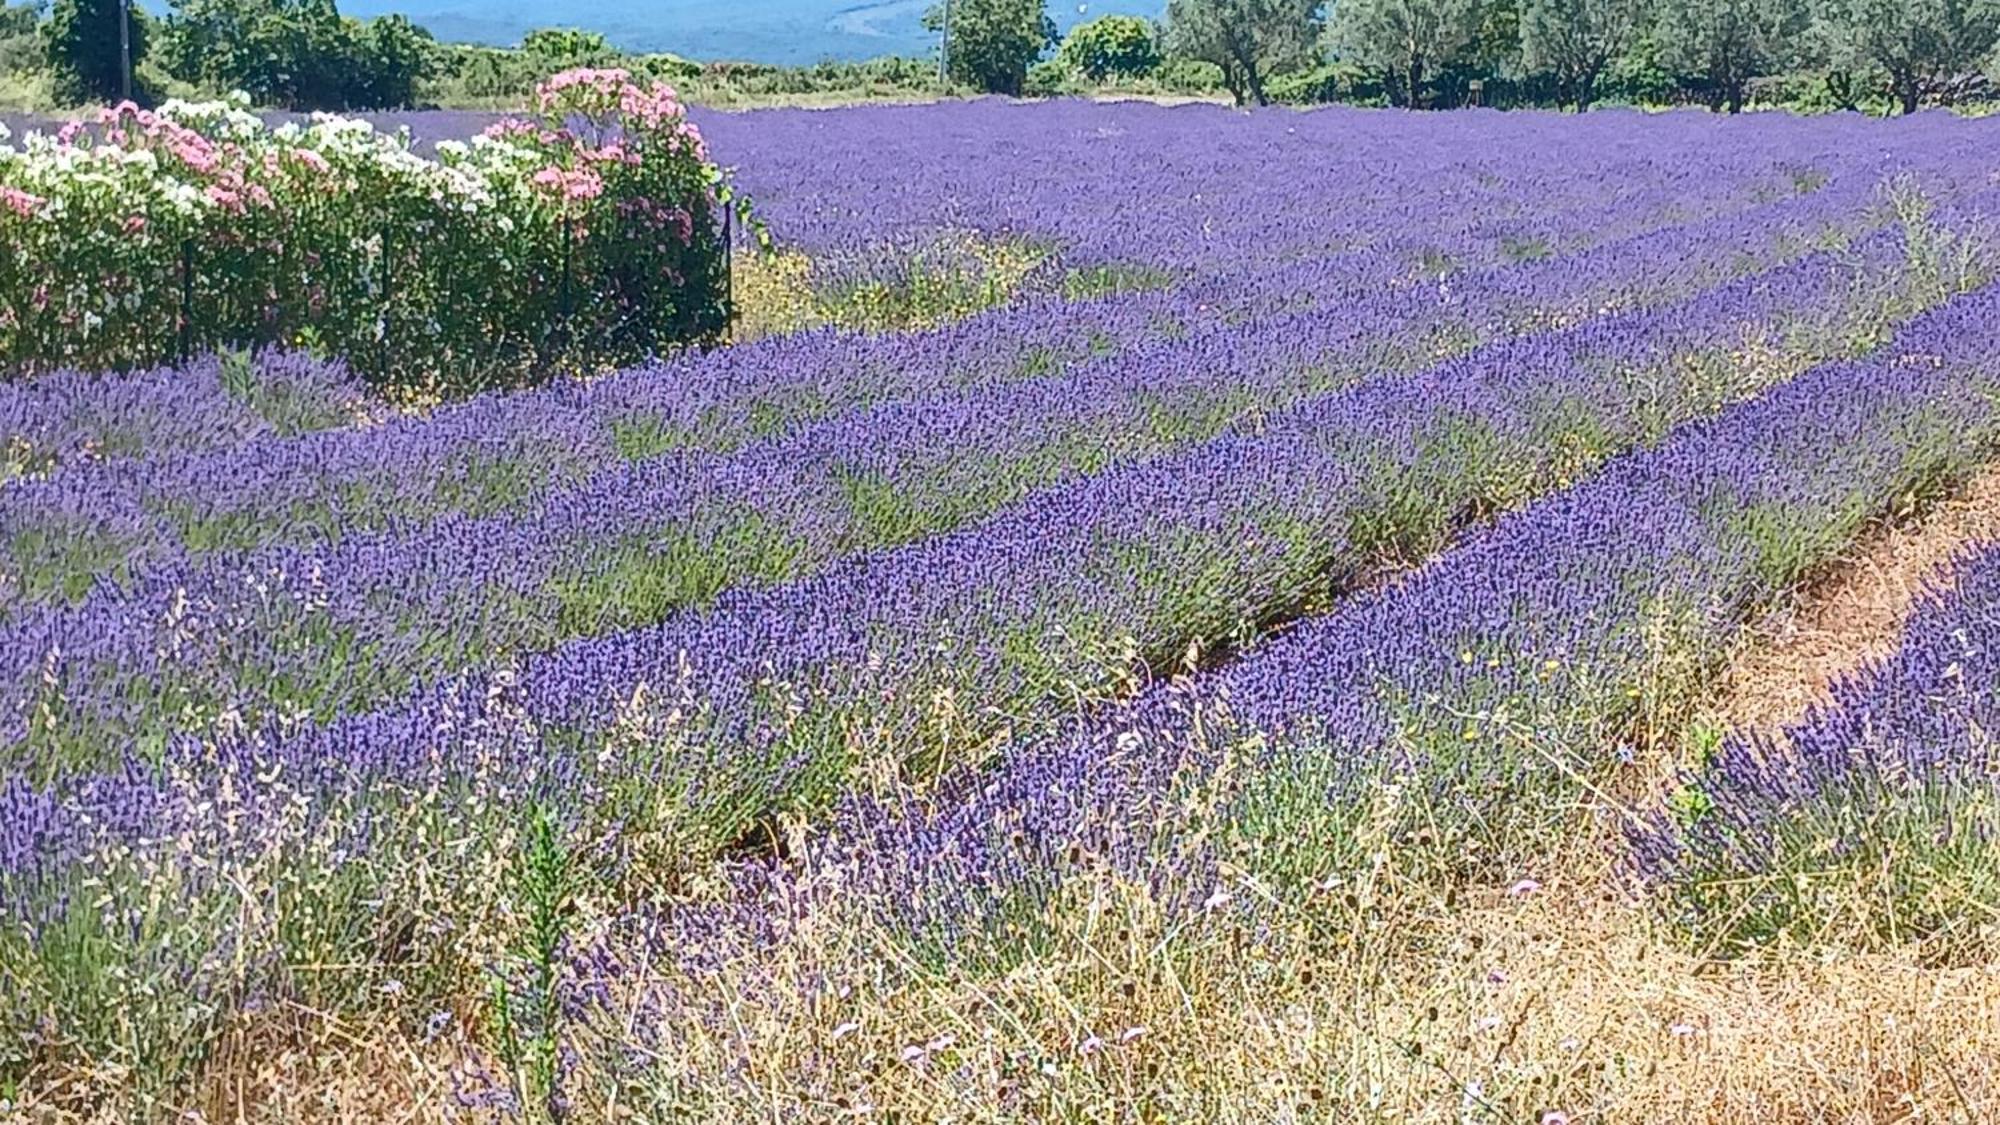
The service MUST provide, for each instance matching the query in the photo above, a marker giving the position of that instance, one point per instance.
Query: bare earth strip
(1855, 614)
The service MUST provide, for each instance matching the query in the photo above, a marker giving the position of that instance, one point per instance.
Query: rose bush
(585, 235)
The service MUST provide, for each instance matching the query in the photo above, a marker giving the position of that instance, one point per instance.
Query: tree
(1120, 46)
(84, 49)
(1406, 40)
(297, 54)
(1726, 43)
(398, 56)
(19, 19)
(1918, 44)
(992, 42)
(1575, 41)
(1249, 39)
(21, 46)
(556, 49)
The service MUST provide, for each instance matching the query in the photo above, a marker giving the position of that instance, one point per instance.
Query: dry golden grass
(1553, 1002)
(773, 295)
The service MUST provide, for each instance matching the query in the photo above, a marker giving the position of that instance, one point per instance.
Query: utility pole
(944, 48)
(125, 49)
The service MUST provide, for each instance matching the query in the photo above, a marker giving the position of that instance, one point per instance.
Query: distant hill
(776, 31)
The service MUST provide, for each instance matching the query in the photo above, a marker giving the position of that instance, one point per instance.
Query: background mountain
(776, 31)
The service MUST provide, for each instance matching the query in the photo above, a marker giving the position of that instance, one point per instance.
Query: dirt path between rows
(1855, 613)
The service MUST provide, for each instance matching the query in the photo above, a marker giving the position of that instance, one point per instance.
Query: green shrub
(1111, 47)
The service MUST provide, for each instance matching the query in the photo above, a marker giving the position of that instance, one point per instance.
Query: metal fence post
(388, 303)
(728, 272)
(187, 299)
(563, 314)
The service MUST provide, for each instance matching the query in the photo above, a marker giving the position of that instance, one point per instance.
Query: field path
(1855, 613)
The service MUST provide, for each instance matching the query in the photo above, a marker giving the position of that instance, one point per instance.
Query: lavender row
(1874, 821)
(69, 418)
(926, 655)
(1109, 410)
(507, 450)
(503, 453)
(1544, 634)
(842, 183)
(323, 632)
(1465, 716)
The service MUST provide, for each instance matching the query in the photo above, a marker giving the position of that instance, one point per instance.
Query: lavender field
(1158, 614)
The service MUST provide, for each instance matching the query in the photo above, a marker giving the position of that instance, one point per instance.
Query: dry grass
(1555, 1002)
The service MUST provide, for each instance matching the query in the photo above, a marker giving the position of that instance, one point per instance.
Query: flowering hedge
(586, 234)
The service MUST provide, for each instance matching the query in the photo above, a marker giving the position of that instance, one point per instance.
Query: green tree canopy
(1576, 41)
(19, 19)
(993, 42)
(1249, 39)
(297, 54)
(398, 55)
(1111, 46)
(1918, 44)
(1726, 43)
(84, 50)
(555, 49)
(1407, 41)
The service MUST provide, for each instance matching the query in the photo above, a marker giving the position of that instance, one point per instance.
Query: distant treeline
(1876, 55)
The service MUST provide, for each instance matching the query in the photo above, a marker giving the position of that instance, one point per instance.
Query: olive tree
(993, 42)
(1726, 43)
(1407, 41)
(1111, 46)
(1576, 41)
(1249, 39)
(1918, 44)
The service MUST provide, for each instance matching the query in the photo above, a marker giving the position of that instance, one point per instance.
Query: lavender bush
(1873, 822)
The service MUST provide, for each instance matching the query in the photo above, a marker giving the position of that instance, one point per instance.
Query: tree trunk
(1416, 80)
(1255, 81)
(1908, 94)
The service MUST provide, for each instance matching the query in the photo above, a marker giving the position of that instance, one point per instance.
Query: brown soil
(1855, 614)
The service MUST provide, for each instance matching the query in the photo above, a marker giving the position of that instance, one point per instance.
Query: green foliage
(1327, 83)
(1409, 42)
(297, 54)
(556, 49)
(1249, 40)
(397, 55)
(1724, 44)
(82, 38)
(993, 42)
(1640, 76)
(1919, 45)
(19, 19)
(1575, 41)
(1190, 76)
(21, 47)
(527, 1002)
(1111, 47)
